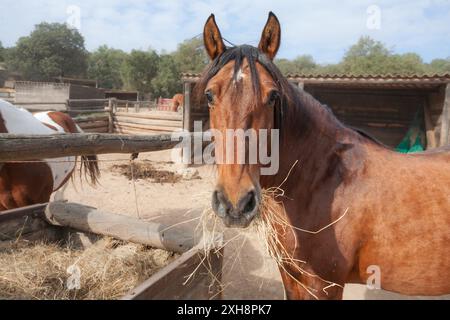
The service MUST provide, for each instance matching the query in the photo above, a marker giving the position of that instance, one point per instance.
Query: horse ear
(213, 39)
(271, 37)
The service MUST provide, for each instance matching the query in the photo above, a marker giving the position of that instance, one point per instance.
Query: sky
(323, 29)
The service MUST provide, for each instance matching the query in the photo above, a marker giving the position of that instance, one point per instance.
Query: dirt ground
(249, 273)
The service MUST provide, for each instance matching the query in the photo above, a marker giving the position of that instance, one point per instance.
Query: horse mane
(238, 54)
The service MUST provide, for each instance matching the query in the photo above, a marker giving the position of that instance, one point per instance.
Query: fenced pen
(124, 117)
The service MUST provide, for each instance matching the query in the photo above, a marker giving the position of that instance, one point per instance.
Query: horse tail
(89, 168)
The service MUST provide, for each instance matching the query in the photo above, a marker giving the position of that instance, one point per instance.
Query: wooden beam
(156, 115)
(111, 116)
(88, 219)
(187, 107)
(20, 222)
(169, 282)
(32, 147)
(444, 140)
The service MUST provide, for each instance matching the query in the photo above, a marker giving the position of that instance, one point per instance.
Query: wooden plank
(146, 127)
(88, 219)
(136, 132)
(157, 115)
(187, 107)
(168, 283)
(79, 120)
(29, 147)
(151, 122)
(22, 221)
(103, 129)
(87, 111)
(111, 103)
(93, 124)
(444, 140)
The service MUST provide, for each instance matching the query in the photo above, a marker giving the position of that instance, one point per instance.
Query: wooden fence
(124, 117)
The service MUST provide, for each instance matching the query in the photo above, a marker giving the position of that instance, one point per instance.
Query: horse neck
(310, 134)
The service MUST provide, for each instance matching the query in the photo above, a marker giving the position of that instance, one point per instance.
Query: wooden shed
(383, 106)
(121, 94)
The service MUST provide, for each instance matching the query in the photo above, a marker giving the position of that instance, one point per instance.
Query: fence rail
(32, 147)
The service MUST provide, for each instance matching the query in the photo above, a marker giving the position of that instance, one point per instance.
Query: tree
(51, 50)
(303, 64)
(167, 83)
(2, 52)
(406, 64)
(139, 69)
(105, 66)
(439, 66)
(367, 56)
(190, 56)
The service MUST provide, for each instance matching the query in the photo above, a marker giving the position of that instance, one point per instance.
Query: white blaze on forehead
(240, 75)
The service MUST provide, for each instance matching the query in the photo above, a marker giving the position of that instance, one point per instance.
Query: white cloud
(324, 29)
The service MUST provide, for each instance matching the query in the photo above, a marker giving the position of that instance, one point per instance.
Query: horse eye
(273, 97)
(209, 97)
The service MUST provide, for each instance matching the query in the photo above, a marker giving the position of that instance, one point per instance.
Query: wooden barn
(384, 106)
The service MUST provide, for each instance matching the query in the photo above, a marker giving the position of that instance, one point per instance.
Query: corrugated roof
(350, 77)
(361, 81)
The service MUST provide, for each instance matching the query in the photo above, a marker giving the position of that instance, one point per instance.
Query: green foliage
(190, 56)
(139, 69)
(104, 65)
(439, 66)
(2, 52)
(302, 65)
(51, 50)
(167, 83)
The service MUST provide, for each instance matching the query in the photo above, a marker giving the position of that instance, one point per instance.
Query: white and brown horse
(27, 183)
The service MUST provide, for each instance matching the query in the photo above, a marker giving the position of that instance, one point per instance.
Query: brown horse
(28, 183)
(178, 101)
(353, 205)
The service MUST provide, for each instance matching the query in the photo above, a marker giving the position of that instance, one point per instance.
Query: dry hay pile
(145, 170)
(109, 269)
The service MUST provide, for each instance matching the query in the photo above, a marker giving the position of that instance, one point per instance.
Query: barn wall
(83, 92)
(385, 114)
(42, 96)
(436, 103)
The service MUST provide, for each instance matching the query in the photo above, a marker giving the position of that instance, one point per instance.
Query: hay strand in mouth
(271, 225)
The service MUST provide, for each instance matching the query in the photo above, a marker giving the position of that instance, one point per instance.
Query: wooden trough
(51, 221)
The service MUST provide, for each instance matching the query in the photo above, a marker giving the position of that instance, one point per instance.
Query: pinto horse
(385, 211)
(28, 183)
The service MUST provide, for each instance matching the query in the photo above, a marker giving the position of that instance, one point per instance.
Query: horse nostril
(220, 204)
(248, 203)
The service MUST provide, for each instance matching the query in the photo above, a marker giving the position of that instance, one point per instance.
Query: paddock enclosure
(384, 107)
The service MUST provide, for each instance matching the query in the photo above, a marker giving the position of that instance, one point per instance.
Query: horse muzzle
(240, 215)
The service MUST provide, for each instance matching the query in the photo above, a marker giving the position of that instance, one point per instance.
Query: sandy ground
(249, 273)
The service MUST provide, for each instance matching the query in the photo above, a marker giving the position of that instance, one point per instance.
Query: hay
(146, 171)
(109, 269)
(270, 225)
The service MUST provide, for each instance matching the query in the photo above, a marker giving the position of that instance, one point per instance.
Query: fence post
(110, 116)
